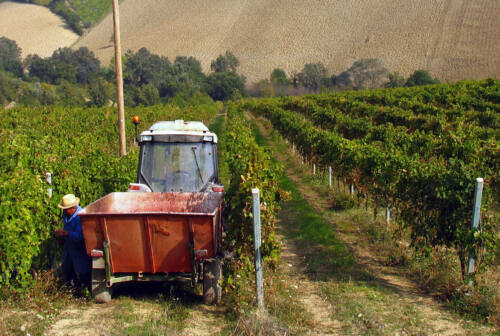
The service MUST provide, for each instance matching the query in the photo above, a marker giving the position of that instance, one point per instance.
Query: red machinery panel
(153, 232)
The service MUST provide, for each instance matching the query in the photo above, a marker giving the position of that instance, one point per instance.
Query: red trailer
(171, 226)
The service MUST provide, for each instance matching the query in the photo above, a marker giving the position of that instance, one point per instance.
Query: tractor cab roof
(178, 129)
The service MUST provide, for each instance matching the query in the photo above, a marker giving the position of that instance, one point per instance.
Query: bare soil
(35, 29)
(453, 39)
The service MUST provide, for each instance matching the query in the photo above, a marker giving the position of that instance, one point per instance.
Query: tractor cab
(177, 156)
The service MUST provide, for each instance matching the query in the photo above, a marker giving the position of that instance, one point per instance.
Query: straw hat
(69, 201)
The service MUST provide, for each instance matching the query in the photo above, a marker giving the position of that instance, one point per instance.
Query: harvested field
(453, 39)
(35, 28)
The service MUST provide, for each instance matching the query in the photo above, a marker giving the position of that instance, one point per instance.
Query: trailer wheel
(100, 292)
(212, 275)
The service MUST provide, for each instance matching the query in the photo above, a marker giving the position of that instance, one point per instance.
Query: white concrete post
(476, 213)
(48, 177)
(257, 239)
(330, 176)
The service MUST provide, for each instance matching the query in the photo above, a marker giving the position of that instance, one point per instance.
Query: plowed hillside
(454, 39)
(35, 29)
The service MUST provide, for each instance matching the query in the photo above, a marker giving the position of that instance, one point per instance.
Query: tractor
(168, 225)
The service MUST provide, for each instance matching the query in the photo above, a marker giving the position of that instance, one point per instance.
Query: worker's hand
(61, 233)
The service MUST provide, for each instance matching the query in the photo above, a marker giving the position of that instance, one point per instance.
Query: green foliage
(79, 147)
(363, 74)
(395, 80)
(10, 56)
(70, 95)
(312, 75)
(78, 14)
(84, 62)
(263, 88)
(421, 77)
(143, 67)
(35, 94)
(418, 158)
(248, 166)
(100, 92)
(278, 76)
(225, 63)
(91, 11)
(79, 66)
(148, 95)
(225, 85)
(342, 202)
(7, 88)
(60, 7)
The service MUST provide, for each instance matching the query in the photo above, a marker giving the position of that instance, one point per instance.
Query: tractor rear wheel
(212, 275)
(100, 292)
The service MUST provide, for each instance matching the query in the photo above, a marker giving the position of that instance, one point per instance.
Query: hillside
(35, 29)
(453, 39)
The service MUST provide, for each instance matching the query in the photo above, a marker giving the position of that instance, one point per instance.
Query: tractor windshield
(177, 167)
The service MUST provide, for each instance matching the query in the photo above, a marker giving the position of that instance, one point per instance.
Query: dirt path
(146, 313)
(293, 266)
(204, 320)
(82, 321)
(432, 318)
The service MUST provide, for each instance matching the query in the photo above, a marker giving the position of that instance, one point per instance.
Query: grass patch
(373, 310)
(157, 316)
(34, 311)
(359, 300)
(91, 11)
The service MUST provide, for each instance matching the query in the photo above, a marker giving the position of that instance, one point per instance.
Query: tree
(10, 56)
(225, 63)
(189, 64)
(7, 90)
(86, 64)
(312, 75)
(278, 77)
(148, 95)
(70, 95)
(224, 85)
(100, 92)
(39, 68)
(395, 80)
(367, 73)
(264, 88)
(143, 67)
(421, 77)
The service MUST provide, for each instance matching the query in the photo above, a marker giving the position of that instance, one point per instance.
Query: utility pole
(119, 79)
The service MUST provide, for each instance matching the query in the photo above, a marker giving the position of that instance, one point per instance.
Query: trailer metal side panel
(147, 234)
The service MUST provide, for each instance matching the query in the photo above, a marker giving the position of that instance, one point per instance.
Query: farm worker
(76, 264)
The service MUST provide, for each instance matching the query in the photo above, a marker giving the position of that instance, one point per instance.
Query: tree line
(76, 78)
(314, 78)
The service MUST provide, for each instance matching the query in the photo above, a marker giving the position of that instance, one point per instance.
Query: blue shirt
(74, 245)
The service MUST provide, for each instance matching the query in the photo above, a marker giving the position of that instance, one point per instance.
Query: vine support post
(48, 178)
(257, 239)
(314, 169)
(351, 190)
(330, 176)
(293, 147)
(476, 213)
(387, 216)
